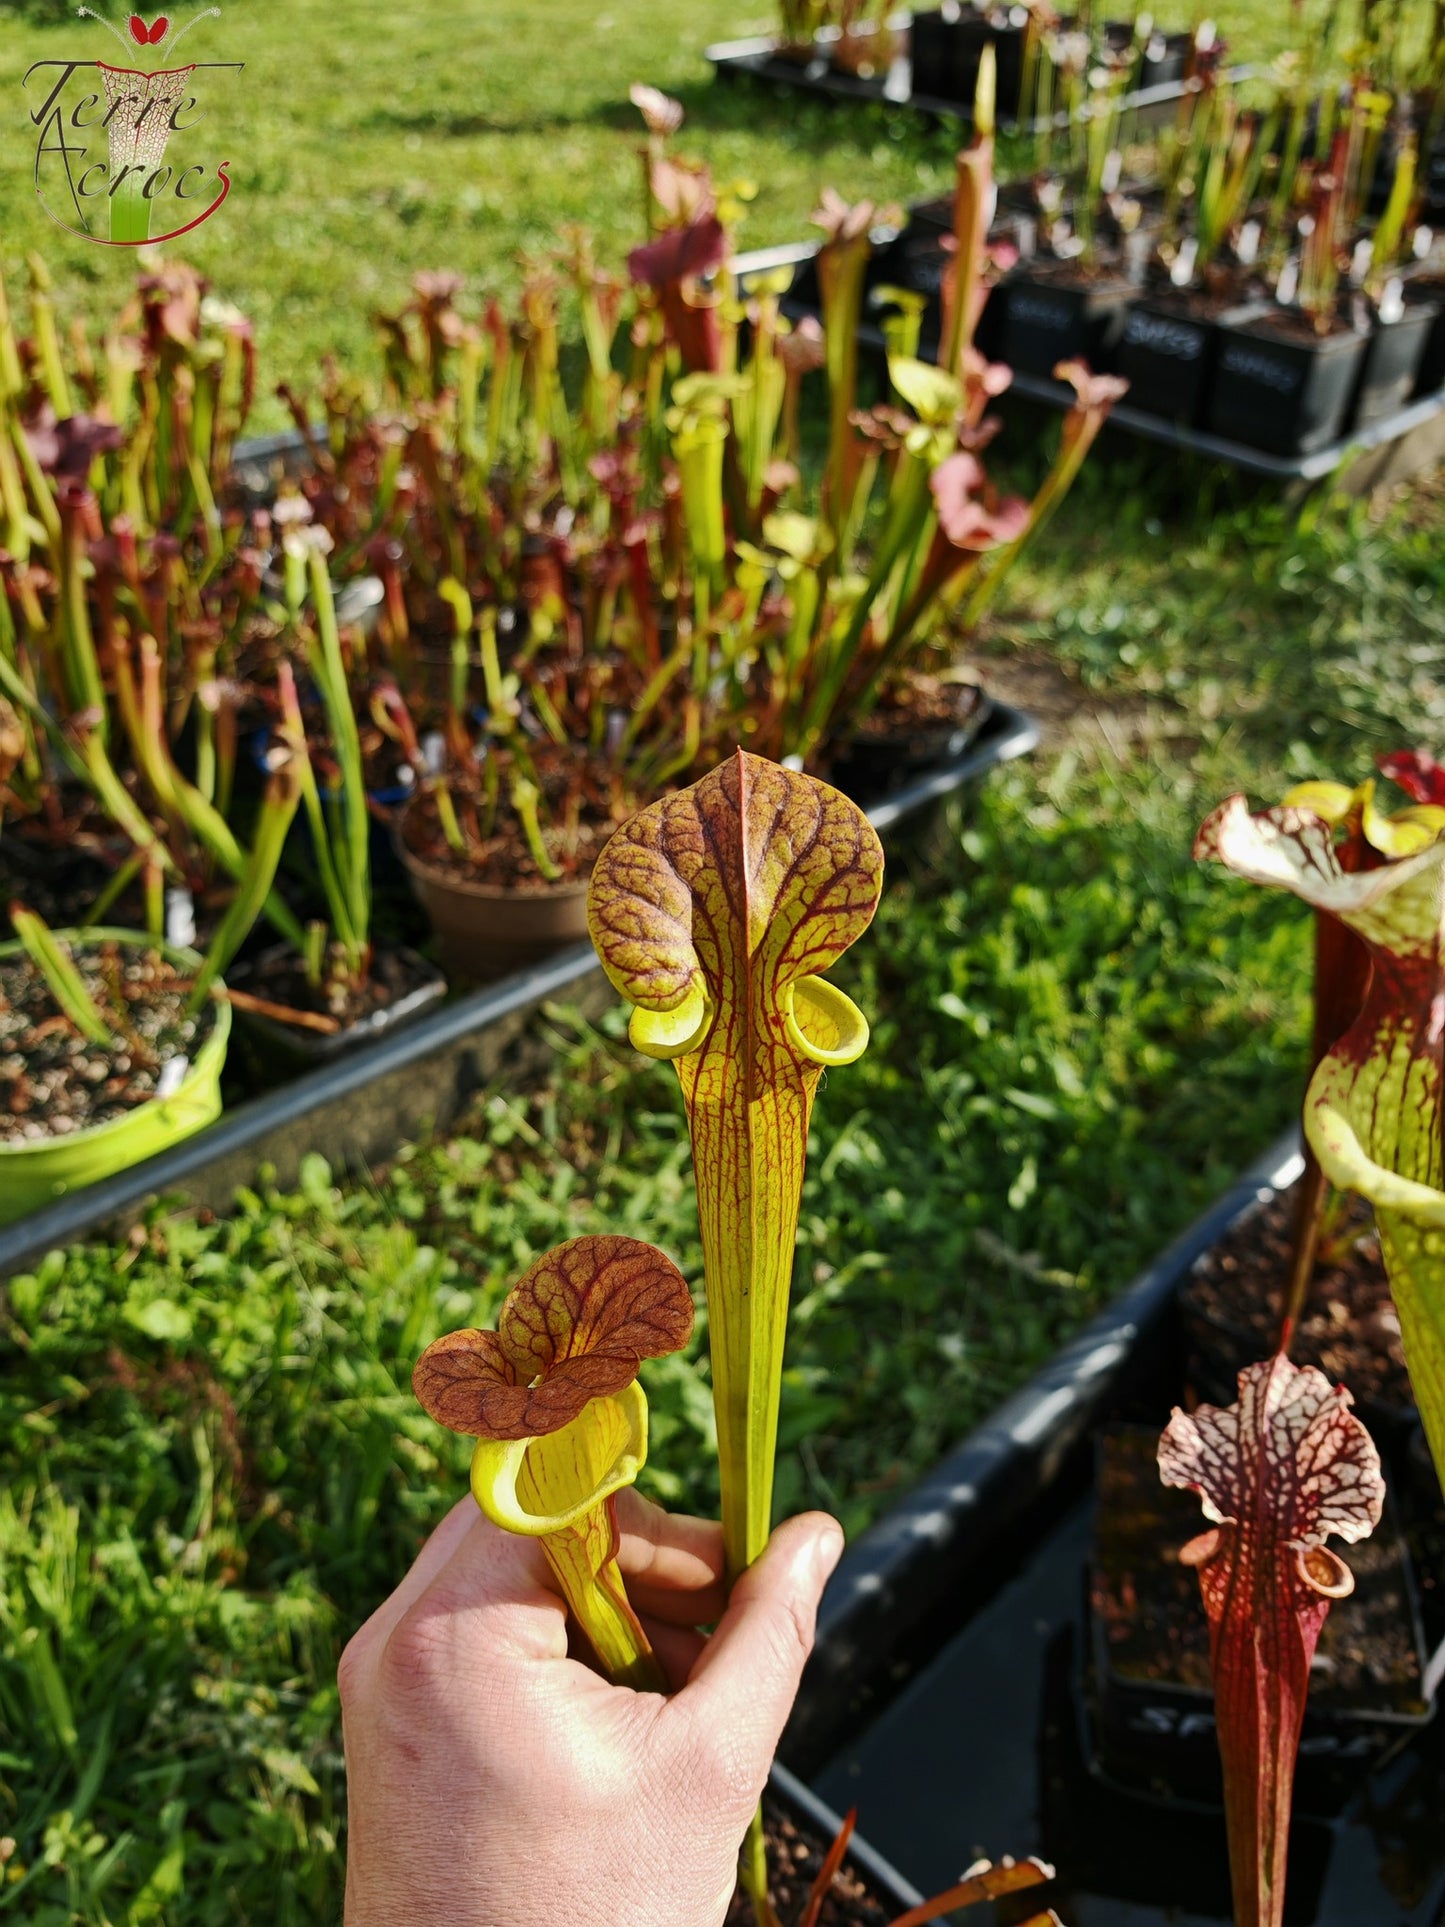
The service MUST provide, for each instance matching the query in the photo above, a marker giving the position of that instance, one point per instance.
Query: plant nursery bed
(964, 1697)
(360, 1109)
(1404, 442)
(758, 59)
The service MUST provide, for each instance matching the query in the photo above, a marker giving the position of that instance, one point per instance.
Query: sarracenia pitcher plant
(1375, 1109)
(552, 1399)
(1277, 1473)
(1364, 839)
(713, 911)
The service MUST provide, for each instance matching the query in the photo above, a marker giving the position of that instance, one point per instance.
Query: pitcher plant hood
(715, 911)
(1278, 1473)
(1375, 1108)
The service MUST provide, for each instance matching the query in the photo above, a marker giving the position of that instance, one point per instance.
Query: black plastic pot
(1286, 392)
(1165, 58)
(878, 764)
(1219, 1347)
(1166, 351)
(1391, 366)
(1049, 315)
(1431, 373)
(59, 881)
(1151, 1720)
(948, 1679)
(817, 1819)
(946, 48)
(361, 1108)
(919, 256)
(270, 1050)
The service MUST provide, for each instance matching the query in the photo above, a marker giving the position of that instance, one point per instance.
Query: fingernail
(827, 1551)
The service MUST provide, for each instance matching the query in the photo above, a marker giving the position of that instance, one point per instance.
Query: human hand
(494, 1781)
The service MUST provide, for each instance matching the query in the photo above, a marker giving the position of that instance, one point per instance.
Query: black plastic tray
(757, 59)
(819, 1818)
(943, 1696)
(1421, 422)
(944, 1549)
(363, 1107)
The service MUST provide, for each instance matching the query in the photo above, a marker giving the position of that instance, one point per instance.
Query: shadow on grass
(738, 105)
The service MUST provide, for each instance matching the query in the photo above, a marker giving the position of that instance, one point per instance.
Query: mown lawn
(367, 142)
(210, 1463)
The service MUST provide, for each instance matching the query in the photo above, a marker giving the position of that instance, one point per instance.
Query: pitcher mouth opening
(539, 1486)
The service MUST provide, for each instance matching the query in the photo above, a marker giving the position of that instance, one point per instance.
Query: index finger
(672, 1563)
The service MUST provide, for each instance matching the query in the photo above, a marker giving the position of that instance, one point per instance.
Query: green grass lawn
(210, 1462)
(367, 142)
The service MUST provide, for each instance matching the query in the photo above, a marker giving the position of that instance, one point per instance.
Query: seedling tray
(362, 1108)
(1411, 438)
(945, 1697)
(757, 59)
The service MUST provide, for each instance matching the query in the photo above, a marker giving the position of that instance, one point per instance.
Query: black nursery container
(920, 255)
(269, 1050)
(1430, 291)
(878, 761)
(945, 49)
(1166, 56)
(788, 1795)
(1285, 392)
(1167, 354)
(1391, 367)
(1048, 315)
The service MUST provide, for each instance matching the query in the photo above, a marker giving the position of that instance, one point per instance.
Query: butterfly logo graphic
(152, 35)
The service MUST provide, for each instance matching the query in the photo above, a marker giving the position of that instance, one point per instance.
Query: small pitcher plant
(713, 911)
(1277, 1474)
(552, 1399)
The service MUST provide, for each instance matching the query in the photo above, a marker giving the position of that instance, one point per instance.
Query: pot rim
(206, 1063)
(465, 887)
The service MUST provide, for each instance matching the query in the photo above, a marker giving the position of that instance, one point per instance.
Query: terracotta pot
(484, 931)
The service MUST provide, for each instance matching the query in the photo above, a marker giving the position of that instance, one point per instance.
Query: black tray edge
(792, 1792)
(755, 58)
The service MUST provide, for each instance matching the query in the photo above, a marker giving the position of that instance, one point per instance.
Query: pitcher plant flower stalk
(1277, 1474)
(713, 910)
(552, 1399)
(1375, 1104)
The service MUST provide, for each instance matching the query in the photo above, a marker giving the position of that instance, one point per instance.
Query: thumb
(742, 1688)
